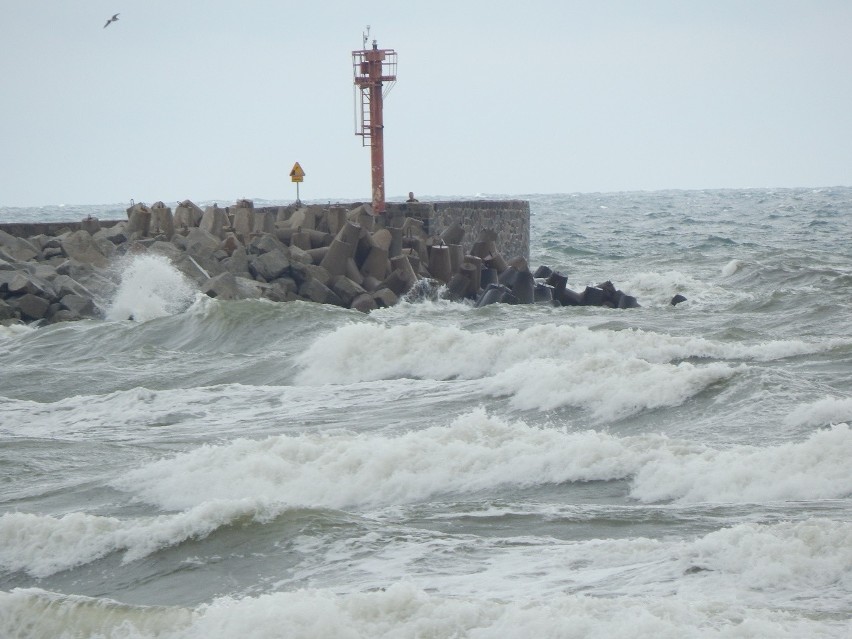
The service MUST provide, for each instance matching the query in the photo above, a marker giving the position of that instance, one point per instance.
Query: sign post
(297, 175)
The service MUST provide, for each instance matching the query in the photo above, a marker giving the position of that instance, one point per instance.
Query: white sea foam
(809, 560)
(731, 267)
(150, 287)
(15, 330)
(214, 486)
(817, 468)
(477, 452)
(830, 410)
(358, 352)
(797, 563)
(42, 545)
(611, 385)
(655, 288)
(403, 611)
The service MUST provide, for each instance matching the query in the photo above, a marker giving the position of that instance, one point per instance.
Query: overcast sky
(217, 99)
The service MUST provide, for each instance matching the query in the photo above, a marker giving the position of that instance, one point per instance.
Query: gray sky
(217, 99)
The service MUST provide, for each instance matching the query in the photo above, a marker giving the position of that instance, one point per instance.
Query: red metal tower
(373, 68)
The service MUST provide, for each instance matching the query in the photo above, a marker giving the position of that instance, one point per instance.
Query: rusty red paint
(373, 67)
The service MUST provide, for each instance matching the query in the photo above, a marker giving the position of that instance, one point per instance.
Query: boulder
(238, 263)
(20, 282)
(201, 243)
(346, 289)
(17, 248)
(299, 255)
(385, 298)
(364, 303)
(270, 265)
(66, 285)
(227, 286)
(82, 247)
(316, 291)
(80, 305)
(115, 234)
(31, 306)
(304, 272)
(7, 311)
(265, 243)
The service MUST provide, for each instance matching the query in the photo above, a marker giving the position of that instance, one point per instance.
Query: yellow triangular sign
(297, 173)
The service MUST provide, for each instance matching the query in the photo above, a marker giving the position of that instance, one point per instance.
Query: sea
(228, 469)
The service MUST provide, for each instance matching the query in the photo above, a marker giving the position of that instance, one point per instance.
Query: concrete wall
(510, 219)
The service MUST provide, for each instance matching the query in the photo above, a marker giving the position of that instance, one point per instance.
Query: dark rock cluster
(331, 255)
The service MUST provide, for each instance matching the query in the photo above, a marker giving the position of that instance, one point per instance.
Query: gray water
(229, 469)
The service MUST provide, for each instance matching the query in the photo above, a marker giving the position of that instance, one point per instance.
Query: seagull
(111, 20)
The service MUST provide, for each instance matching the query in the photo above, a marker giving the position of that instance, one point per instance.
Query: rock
(395, 282)
(82, 247)
(31, 306)
(316, 291)
(364, 303)
(677, 299)
(65, 285)
(14, 283)
(493, 294)
(385, 298)
(346, 289)
(592, 296)
(543, 272)
(627, 301)
(317, 255)
(166, 249)
(17, 248)
(266, 243)
(7, 311)
(201, 243)
(304, 272)
(270, 265)
(79, 305)
(227, 286)
(238, 263)
(116, 234)
(299, 255)
(281, 290)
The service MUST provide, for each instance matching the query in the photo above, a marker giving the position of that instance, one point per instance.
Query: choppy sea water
(250, 469)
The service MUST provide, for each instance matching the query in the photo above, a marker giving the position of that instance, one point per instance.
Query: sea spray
(150, 287)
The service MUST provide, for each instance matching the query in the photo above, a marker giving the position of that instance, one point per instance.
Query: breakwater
(336, 254)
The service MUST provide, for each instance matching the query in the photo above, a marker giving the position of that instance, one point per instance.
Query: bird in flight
(111, 20)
